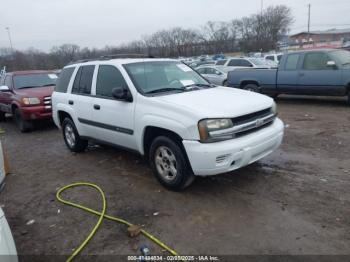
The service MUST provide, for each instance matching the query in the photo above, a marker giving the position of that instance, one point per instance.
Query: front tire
(23, 125)
(169, 164)
(252, 88)
(71, 136)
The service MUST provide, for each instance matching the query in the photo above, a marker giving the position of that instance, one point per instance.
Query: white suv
(167, 112)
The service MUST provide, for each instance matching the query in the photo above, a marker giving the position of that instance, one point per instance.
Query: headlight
(274, 109)
(31, 101)
(213, 130)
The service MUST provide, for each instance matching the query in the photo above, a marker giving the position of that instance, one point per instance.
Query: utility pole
(9, 34)
(262, 7)
(308, 24)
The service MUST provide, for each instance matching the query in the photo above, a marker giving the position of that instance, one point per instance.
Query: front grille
(246, 124)
(251, 117)
(47, 102)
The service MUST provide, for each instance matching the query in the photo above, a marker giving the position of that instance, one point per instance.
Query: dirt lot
(296, 201)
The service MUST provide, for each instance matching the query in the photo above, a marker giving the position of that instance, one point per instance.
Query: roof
(120, 61)
(314, 50)
(325, 32)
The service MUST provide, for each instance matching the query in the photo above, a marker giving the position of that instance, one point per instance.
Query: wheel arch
(247, 82)
(151, 132)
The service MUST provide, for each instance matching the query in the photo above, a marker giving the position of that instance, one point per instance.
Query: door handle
(97, 107)
(71, 102)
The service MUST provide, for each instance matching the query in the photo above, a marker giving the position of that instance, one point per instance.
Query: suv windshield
(34, 80)
(342, 56)
(163, 76)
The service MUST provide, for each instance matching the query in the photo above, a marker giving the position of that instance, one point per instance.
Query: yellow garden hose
(102, 215)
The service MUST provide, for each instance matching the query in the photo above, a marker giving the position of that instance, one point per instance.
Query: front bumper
(226, 156)
(36, 112)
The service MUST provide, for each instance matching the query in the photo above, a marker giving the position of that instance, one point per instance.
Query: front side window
(8, 81)
(83, 80)
(33, 80)
(292, 62)
(63, 80)
(162, 76)
(270, 58)
(316, 61)
(108, 77)
(342, 56)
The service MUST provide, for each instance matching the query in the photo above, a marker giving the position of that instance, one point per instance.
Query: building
(333, 38)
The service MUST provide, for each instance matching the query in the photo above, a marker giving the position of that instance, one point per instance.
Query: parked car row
(160, 107)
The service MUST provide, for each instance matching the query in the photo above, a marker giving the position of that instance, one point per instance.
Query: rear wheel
(169, 164)
(252, 88)
(23, 125)
(71, 136)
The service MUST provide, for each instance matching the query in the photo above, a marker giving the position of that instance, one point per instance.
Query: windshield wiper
(168, 89)
(197, 85)
(48, 85)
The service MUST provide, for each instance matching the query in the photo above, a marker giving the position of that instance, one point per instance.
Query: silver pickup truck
(323, 72)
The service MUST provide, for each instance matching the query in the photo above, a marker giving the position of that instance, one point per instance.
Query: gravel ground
(294, 202)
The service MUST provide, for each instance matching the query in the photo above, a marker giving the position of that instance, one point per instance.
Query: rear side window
(270, 58)
(83, 80)
(292, 62)
(221, 62)
(245, 63)
(316, 61)
(234, 62)
(63, 80)
(108, 77)
(201, 70)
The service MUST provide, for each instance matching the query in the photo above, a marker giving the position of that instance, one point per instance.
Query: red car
(27, 96)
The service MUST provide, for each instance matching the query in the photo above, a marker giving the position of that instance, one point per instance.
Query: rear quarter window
(64, 79)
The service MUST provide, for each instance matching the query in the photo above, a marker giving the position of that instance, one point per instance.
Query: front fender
(160, 122)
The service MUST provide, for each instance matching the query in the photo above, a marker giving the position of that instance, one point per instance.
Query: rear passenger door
(81, 100)
(316, 78)
(113, 119)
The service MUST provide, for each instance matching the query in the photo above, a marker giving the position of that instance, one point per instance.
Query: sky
(42, 24)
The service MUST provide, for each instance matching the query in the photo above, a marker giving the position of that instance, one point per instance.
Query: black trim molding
(105, 126)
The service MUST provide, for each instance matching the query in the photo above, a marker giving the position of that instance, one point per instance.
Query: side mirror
(332, 64)
(121, 93)
(4, 89)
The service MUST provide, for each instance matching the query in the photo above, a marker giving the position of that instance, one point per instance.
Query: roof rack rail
(115, 56)
(109, 57)
(82, 61)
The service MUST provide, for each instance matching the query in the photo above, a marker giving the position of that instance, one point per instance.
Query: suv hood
(36, 91)
(220, 102)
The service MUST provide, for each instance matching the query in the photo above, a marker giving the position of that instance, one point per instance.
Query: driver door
(113, 120)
